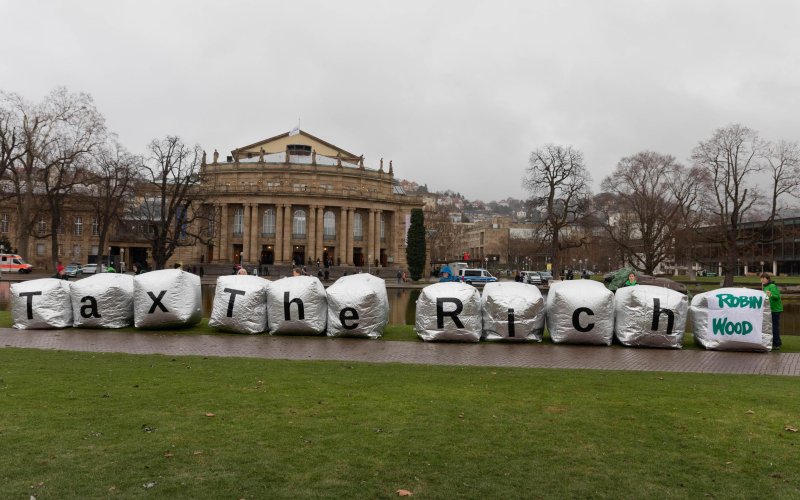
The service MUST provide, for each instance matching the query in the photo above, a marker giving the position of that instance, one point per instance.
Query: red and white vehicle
(13, 263)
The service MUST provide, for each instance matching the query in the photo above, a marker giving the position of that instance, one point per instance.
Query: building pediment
(280, 143)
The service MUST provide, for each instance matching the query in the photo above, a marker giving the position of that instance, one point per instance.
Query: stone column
(371, 238)
(378, 215)
(246, 233)
(320, 239)
(774, 267)
(278, 248)
(255, 248)
(287, 233)
(311, 233)
(351, 235)
(224, 231)
(341, 248)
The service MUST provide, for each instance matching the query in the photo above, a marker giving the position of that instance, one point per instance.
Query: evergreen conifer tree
(415, 249)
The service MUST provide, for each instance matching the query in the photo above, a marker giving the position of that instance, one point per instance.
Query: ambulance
(13, 263)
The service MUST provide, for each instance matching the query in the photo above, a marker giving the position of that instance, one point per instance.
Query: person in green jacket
(776, 306)
(631, 280)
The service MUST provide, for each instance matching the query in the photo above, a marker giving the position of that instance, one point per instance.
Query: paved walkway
(378, 351)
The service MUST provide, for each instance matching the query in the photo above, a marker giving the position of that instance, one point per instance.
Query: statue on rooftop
(216, 156)
(261, 155)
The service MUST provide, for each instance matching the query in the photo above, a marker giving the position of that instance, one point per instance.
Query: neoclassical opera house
(295, 198)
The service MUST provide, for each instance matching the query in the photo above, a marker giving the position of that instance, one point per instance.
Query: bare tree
(170, 205)
(641, 212)
(730, 159)
(78, 129)
(559, 185)
(444, 235)
(109, 188)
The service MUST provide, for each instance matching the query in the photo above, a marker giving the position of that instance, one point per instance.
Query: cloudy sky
(456, 93)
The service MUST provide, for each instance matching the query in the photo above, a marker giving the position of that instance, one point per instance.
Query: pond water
(403, 301)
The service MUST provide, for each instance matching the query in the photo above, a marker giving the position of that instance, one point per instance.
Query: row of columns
(251, 244)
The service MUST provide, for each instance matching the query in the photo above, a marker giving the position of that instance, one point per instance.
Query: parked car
(532, 278)
(475, 276)
(92, 269)
(73, 270)
(547, 276)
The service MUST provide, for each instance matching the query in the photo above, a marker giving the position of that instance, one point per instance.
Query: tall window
(78, 227)
(42, 225)
(238, 221)
(40, 249)
(299, 224)
(329, 225)
(76, 251)
(212, 225)
(95, 226)
(358, 227)
(268, 224)
(4, 223)
(383, 229)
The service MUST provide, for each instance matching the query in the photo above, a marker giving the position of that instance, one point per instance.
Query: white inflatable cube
(358, 306)
(103, 301)
(650, 316)
(449, 311)
(580, 312)
(41, 304)
(240, 304)
(732, 319)
(167, 298)
(512, 311)
(297, 305)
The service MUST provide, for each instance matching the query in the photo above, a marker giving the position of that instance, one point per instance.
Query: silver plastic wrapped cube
(732, 319)
(103, 301)
(240, 304)
(449, 311)
(650, 316)
(358, 306)
(580, 312)
(297, 305)
(166, 299)
(512, 311)
(40, 304)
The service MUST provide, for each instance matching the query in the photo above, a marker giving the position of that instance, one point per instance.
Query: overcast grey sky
(456, 93)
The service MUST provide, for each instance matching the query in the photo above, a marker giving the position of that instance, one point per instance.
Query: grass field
(82, 425)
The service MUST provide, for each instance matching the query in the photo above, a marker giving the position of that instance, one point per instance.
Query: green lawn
(82, 425)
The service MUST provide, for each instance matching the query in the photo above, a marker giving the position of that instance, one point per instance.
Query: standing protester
(775, 306)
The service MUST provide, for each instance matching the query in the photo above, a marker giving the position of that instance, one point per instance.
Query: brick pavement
(377, 351)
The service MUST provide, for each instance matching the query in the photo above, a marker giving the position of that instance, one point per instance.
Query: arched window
(329, 225)
(268, 225)
(358, 227)
(238, 221)
(299, 224)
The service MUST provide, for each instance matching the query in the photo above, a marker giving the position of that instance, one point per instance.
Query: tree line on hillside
(57, 155)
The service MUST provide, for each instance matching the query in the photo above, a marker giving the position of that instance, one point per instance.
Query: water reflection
(403, 306)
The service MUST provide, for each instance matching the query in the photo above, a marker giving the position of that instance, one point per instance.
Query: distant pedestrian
(775, 306)
(202, 271)
(242, 272)
(399, 276)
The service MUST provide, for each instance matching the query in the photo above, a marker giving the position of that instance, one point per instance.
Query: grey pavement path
(377, 351)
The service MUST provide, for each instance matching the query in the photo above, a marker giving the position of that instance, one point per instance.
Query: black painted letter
(511, 322)
(90, 310)
(440, 314)
(576, 319)
(301, 315)
(30, 301)
(657, 312)
(157, 302)
(234, 292)
(350, 314)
